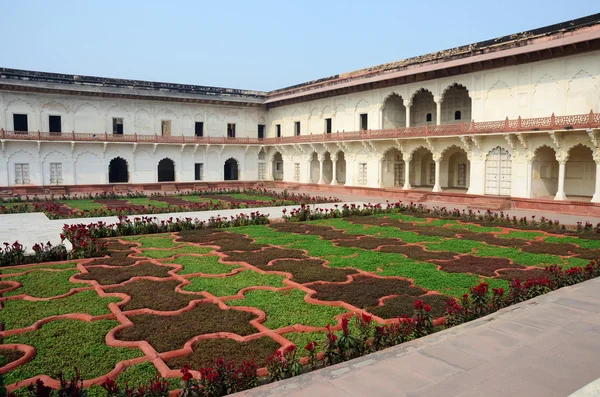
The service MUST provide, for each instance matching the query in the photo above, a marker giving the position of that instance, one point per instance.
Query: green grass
(153, 241)
(44, 283)
(522, 234)
(196, 199)
(186, 249)
(208, 264)
(63, 345)
(12, 270)
(225, 286)
(582, 242)
(82, 204)
(147, 202)
(243, 196)
(18, 313)
(522, 258)
(288, 308)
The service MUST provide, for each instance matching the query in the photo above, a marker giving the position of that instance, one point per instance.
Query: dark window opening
(118, 171)
(261, 131)
(165, 127)
(199, 128)
(278, 130)
(364, 121)
(198, 171)
(230, 170)
(328, 126)
(297, 128)
(54, 124)
(230, 130)
(20, 122)
(457, 115)
(117, 126)
(428, 117)
(166, 170)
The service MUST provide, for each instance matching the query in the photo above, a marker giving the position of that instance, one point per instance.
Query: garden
(112, 204)
(217, 309)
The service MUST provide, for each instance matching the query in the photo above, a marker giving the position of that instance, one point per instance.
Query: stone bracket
(154, 148)
(2, 147)
(196, 146)
(134, 148)
(72, 147)
(104, 145)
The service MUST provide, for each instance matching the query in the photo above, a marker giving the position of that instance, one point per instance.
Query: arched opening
(544, 177)
(327, 168)
(278, 167)
(498, 172)
(166, 170)
(314, 168)
(394, 112)
(580, 173)
(118, 171)
(393, 168)
(340, 168)
(455, 169)
(230, 170)
(456, 105)
(262, 165)
(422, 169)
(423, 109)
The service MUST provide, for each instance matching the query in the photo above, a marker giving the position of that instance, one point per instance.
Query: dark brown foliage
(207, 350)
(263, 257)
(114, 246)
(404, 304)
(11, 355)
(364, 290)
(326, 232)
(368, 242)
(117, 258)
(227, 241)
(167, 333)
(418, 253)
(521, 274)
(172, 200)
(155, 295)
(485, 266)
(116, 275)
(309, 270)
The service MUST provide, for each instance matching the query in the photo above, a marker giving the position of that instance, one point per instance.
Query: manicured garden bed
(139, 203)
(155, 303)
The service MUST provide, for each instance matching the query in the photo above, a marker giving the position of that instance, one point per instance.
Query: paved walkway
(548, 346)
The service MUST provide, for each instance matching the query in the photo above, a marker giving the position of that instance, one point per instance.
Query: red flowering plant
(516, 292)
(455, 314)
(575, 275)
(38, 389)
(276, 366)
(380, 337)
(311, 352)
(498, 299)
(349, 346)
(403, 330)
(364, 324)
(422, 318)
(537, 286)
(293, 366)
(331, 353)
(480, 300)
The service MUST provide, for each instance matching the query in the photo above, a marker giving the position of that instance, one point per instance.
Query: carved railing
(580, 121)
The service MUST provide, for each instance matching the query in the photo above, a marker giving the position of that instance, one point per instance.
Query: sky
(253, 44)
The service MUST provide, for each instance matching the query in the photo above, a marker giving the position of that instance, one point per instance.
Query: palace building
(514, 118)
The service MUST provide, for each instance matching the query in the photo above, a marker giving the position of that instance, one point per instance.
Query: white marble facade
(533, 164)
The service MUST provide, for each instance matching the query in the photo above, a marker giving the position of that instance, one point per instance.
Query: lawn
(139, 203)
(291, 279)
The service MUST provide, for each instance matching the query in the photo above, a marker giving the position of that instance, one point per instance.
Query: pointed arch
(166, 170)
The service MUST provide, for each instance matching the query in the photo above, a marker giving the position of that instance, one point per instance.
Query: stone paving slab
(530, 349)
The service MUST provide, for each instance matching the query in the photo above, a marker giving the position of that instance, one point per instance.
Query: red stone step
(491, 203)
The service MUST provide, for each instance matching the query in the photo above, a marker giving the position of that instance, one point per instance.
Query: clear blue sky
(260, 45)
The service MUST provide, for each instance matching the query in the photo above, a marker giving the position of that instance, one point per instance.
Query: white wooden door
(398, 174)
(498, 170)
(56, 175)
(21, 174)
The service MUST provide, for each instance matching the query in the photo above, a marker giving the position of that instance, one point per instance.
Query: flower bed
(100, 205)
(315, 292)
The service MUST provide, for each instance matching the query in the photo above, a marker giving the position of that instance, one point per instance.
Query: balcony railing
(580, 121)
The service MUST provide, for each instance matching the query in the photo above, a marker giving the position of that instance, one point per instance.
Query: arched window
(428, 117)
(457, 115)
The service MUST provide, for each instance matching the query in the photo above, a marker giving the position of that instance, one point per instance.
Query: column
(407, 115)
(529, 178)
(380, 173)
(438, 162)
(321, 163)
(560, 193)
(438, 117)
(596, 197)
(407, 160)
(334, 169)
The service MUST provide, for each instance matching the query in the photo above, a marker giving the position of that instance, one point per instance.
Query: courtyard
(157, 302)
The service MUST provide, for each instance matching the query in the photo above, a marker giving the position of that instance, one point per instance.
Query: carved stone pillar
(407, 115)
(407, 159)
(438, 161)
(334, 171)
(560, 193)
(321, 169)
(596, 197)
(438, 117)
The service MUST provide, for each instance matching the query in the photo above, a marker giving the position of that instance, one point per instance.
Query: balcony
(551, 123)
